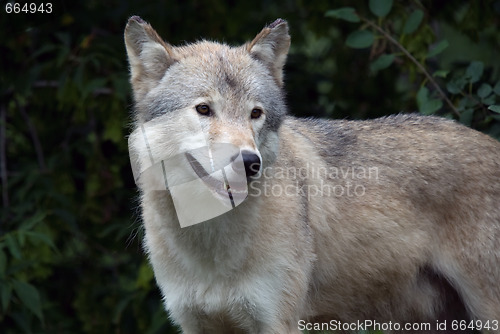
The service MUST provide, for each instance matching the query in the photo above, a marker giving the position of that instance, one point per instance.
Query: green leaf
(380, 8)
(422, 95)
(3, 263)
(21, 238)
(382, 62)
(6, 294)
(413, 22)
(91, 86)
(360, 39)
(29, 296)
(430, 107)
(441, 73)
(489, 100)
(13, 246)
(466, 116)
(440, 47)
(113, 131)
(484, 90)
(344, 13)
(427, 106)
(29, 223)
(41, 237)
(495, 108)
(452, 87)
(496, 89)
(145, 276)
(466, 103)
(456, 85)
(474, 71)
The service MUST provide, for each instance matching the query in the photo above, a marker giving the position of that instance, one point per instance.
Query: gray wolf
(391, 220)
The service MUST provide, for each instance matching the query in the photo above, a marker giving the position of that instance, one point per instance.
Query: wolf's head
(208, 104)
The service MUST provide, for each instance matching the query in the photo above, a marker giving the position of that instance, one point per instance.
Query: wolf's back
(400, 198)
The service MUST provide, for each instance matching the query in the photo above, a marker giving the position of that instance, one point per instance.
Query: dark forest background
(70, 234)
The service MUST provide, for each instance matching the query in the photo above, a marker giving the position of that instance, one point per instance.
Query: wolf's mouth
(220, 187)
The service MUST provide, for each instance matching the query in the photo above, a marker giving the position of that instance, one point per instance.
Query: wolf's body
(395, 219)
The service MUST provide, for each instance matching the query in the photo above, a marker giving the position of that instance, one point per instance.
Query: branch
(415, 61)
(3, 156)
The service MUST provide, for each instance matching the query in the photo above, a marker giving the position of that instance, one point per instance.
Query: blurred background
(70, 234)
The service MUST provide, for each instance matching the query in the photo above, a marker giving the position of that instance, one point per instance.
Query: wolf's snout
(251, 163)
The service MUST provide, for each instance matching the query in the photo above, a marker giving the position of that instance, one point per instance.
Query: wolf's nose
(251, 161)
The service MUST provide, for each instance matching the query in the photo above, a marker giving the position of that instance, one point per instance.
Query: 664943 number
(28, 8)
(475, 325)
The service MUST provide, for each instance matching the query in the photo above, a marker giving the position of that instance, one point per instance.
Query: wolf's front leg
(196, 324)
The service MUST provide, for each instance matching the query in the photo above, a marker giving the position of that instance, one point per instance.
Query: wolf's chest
(248, 296)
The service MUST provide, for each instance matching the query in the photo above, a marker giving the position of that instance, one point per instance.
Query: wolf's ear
(271, 46)
(149, 56)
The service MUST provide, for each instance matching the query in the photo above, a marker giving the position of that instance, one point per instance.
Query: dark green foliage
(70, 236)
(403, 35)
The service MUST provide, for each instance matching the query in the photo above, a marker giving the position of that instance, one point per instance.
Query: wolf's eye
(256, 113)
(203, 109)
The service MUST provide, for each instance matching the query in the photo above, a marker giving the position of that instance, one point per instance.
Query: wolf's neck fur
(220, 244)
